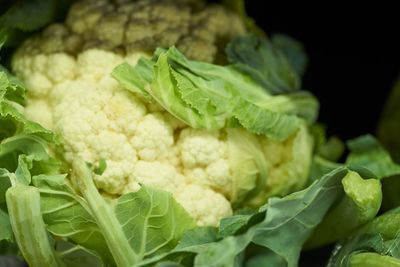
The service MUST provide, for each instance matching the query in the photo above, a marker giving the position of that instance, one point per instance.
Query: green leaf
(77, 256)
(369, 259)
(320, 167)
(2, 40)
(267, 259)
(5, 183)
(24, 152)
(369, 157)
(19, 135)
(184, 258)
(363, 196)
(238, 224)
(288, 222)
(360, 205)
(165, 90)
(27, 16)
(152, 220)
(212, 97)
(135, 79)
(5, 226)
(265, 63)
(380, 236)
(16, 89)
(138, 225)
(275, 125)
(101, 167)
(224, 90)
(169, 264)
(198, 236)
(67, 215)
(365, 193)
(332, 149)
(341, 256)
(249, 167)
(25, 212)
(293, 50)
(222, 253)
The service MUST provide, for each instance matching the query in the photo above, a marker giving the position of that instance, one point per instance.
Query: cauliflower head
(67, 70)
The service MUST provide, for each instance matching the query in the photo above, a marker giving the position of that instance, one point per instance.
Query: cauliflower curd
(70, 91)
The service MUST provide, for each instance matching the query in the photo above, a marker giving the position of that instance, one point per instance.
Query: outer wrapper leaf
(369, 259)
(25, 17)
(66, 215)
(266, 64)
(5, 227)
(288, 222)
(360, 204)
(24, 148)
(137, 225)
(152, 220)
(293, 50)
(77, 256)
(363, 196)
(291, 220)
(375, 243)
(370, 158)
(19, 135)
(212, 97)
(340, 199)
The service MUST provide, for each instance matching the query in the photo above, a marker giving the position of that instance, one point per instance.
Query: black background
(354, 57)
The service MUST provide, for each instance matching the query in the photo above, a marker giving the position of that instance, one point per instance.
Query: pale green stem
(370, 259)
(104, 215)
(23, 204)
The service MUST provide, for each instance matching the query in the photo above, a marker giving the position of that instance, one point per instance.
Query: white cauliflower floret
(206, 206)
(40, 111)
(32, 70)
(159, 175)
(116, 177)
(153, 138)
(200, 148)
(61, 67)
(204, 157)
(94, 64)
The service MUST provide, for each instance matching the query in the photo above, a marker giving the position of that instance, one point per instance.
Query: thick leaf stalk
(360, 205)
(116, 240)
(23, 204)
(370, 259)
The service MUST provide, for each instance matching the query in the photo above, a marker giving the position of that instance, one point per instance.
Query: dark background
(354, 57)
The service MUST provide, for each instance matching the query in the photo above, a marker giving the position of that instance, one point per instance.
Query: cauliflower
(67, 70)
